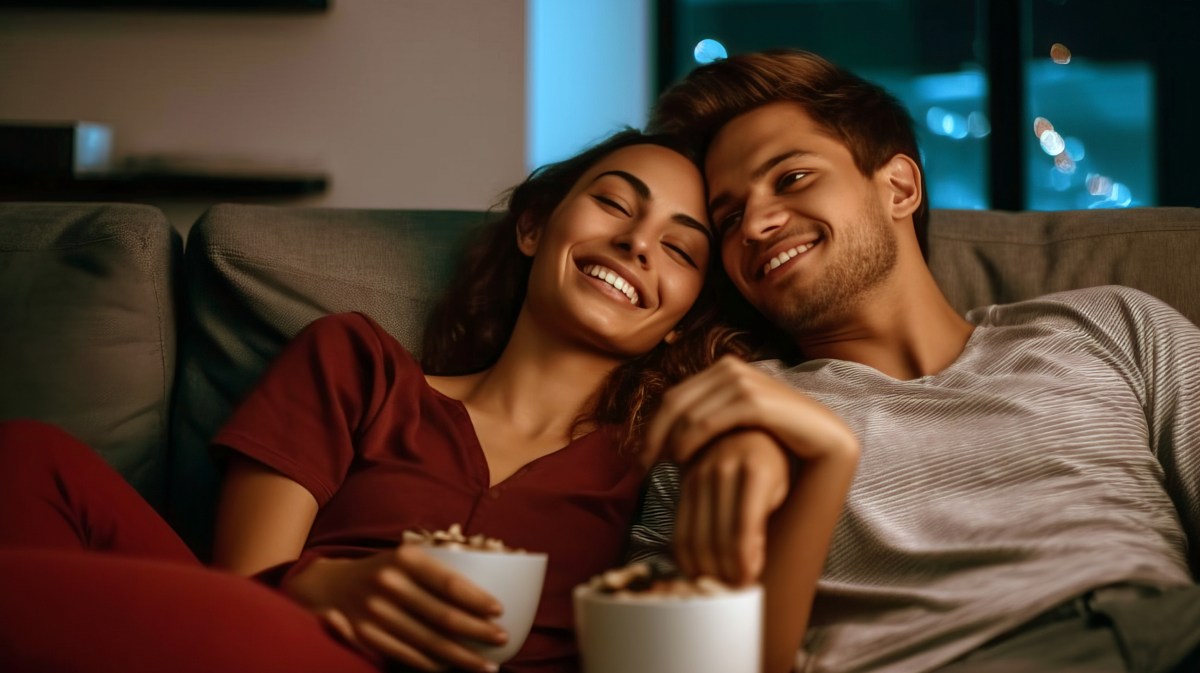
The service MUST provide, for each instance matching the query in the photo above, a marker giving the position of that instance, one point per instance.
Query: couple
(1028, 482)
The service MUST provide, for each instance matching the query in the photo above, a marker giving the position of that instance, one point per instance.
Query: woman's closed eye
(612, 203)
(680, 251)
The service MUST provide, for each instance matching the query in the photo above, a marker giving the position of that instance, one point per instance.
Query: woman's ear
(528, 234)
(902, 179)
(672, 337)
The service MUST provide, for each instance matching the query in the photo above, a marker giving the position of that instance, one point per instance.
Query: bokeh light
(1075, 148)
(1098, 185)
(943, 122)
(1059, 180)
(1060, 54)
(1052, 143)
(1040, 126)
(978, 125)
(707, 51)
(1120, 195)
(1064, 164)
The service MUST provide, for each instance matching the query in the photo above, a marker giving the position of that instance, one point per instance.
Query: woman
(522, 426)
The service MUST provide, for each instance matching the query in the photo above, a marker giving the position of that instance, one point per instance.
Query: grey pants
(1111, 630)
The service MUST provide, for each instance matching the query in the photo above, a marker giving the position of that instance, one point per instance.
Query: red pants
(92, 579)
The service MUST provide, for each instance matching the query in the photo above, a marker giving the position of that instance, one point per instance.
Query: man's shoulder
(1101, 304)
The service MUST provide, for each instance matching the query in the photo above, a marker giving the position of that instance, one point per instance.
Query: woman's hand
(728, 493)
(401, 604)
(731, 395)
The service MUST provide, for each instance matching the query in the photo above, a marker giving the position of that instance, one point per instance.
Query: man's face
(804, 234)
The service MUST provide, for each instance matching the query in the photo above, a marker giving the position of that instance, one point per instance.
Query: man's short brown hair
(872, 124)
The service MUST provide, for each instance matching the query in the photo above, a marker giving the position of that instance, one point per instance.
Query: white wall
(404, 103)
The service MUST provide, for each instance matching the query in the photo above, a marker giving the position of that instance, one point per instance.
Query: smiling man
(1028, 493)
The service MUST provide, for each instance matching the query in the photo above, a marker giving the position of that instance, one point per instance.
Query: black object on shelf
(223, 5)
(144, 185)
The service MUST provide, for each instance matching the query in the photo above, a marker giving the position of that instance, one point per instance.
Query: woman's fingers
(431, 609)
(446, 583)
(678, 402)
(400, 634)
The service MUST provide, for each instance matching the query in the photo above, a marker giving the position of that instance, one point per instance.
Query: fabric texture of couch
(140, 345)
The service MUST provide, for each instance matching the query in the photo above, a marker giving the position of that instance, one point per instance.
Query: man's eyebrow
(634, 181)
(724, 197)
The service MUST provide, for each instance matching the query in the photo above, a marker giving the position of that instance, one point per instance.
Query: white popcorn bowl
(513, 578)
(661, 634)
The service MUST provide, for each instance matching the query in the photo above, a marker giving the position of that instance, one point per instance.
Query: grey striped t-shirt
(1059, 453)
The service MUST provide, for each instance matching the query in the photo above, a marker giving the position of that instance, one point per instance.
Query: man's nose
(761, 221)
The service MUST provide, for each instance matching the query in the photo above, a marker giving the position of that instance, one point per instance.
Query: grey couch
(111, 330)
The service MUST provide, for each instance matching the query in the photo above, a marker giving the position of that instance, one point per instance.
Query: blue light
(1075, 148)
(708, 51)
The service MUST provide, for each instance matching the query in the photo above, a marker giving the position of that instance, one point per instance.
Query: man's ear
(902, 179)
(528, 234)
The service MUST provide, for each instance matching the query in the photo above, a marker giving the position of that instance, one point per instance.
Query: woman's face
(622, 258)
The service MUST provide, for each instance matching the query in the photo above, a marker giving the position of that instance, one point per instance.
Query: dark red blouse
(346, 412)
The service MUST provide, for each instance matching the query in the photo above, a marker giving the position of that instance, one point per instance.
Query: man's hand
(728, 493)
(401, 604)
(735, 395)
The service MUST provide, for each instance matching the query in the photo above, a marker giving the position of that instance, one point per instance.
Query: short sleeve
(304, 414)
(653, 530)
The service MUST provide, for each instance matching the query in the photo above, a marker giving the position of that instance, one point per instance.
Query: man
(1029, 477)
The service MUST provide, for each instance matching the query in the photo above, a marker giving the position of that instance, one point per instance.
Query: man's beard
(868, 254)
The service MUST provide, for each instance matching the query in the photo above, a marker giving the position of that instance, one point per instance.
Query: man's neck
(904, 328)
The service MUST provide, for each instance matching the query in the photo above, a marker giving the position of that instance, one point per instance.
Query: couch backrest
(256, 275)
(995, 257)
(87, 328)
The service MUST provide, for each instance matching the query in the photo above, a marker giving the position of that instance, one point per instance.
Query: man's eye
(728, 223)
(611, 204)
(788, 179)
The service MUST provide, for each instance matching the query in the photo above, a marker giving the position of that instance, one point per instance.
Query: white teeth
(784, 256)
(612, 278)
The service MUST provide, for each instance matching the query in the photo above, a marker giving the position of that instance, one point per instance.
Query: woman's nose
(635, 240)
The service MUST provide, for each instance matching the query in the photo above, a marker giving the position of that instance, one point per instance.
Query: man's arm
(736, 429)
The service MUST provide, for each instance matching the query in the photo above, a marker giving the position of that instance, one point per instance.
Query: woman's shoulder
(354, 334)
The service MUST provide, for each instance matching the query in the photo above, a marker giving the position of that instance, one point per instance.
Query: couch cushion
(87, 328)
(256, 275)
(986, 257)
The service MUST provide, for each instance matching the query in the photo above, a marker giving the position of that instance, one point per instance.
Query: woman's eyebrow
(634, 181)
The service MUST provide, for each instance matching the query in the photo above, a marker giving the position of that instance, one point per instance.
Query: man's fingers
(757, 504)
(684, 528)
(726, 485)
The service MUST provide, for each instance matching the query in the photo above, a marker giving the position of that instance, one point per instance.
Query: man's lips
(783, 256)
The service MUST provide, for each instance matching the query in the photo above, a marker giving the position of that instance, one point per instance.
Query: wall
(589, 66)
(404, 103)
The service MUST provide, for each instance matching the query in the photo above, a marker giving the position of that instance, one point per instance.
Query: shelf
(133, 186)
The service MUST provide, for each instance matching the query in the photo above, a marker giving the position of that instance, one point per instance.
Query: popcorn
(638, 581)
(453, 538)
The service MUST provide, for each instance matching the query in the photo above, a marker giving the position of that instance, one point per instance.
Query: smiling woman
(571, 315)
